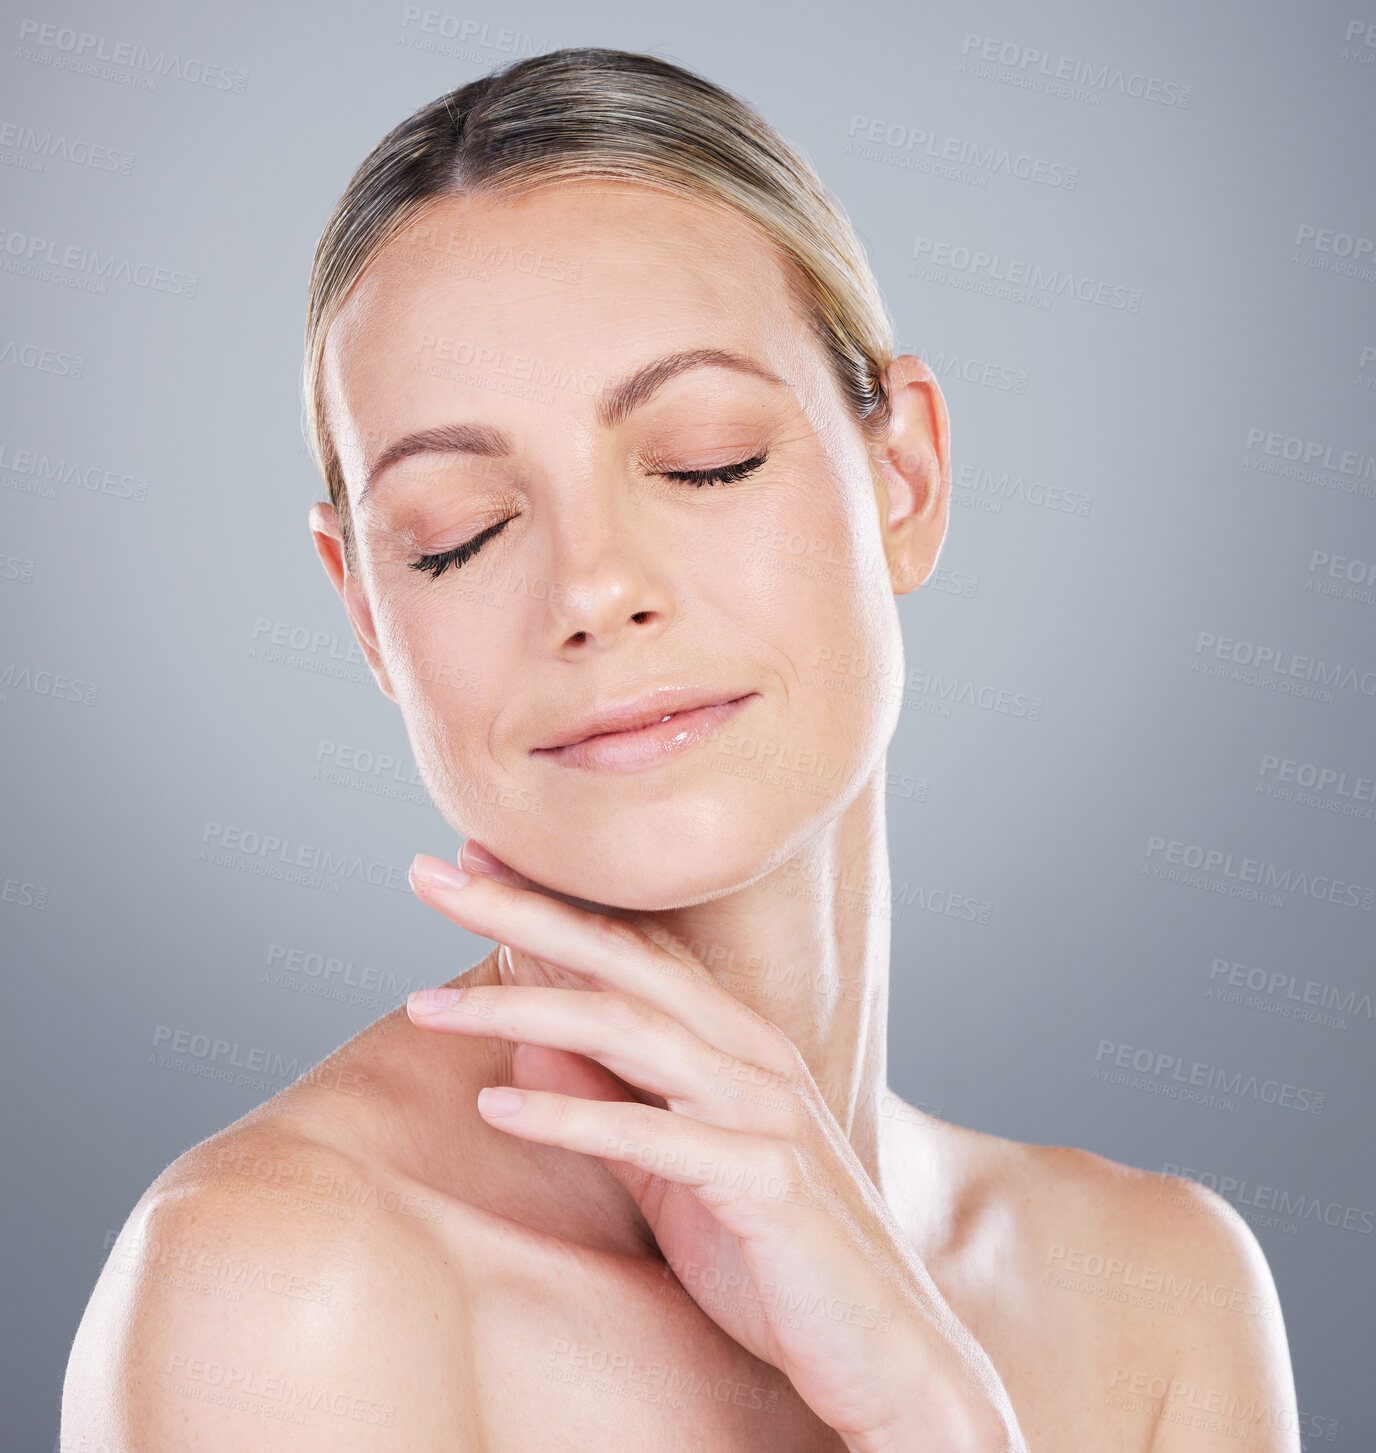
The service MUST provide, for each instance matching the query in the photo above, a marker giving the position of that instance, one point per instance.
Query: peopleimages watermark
(41, 257)
(270, 855)
(782, 763)
(522, 368)
(1167, 1074)
(1220, 1411)
(25, 147)
(1308, 451)
(425, 29)
(870, 893)
(989, 490)
(66, 48)
(948, 364)
(1366, 375)
(1360, 42)
(1037, 69)
(273, 1394)
(1275, 668)
(382, 774)
(318, 651)
(1326, 249)
(655, 1382)
(1342, 576)
(1309, 784)
(1160, 1288)
(855, 674)
(41, 681)
(1247, 877)
(42, 359)
(318, 1188)
(336, 973)
(211, 1057)
(1293, 1206)
(17, 568)
(209, 1271)
(22, 894)
(1276, 992)
(446, 248)
(32, 471)
(1310, 461)
(958, 158)
(1014, 279)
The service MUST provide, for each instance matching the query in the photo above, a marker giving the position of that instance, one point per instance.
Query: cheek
(810, 577)
(807, 586)
(443, 684)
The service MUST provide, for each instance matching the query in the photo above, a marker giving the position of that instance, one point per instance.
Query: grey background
(169, 544)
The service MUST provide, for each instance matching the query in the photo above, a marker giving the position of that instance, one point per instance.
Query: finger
(474, 858)
(748, 1179)
(606, 951)
(633, 1040)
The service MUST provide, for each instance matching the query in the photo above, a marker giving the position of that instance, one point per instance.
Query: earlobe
(914, 473)
(329, 545)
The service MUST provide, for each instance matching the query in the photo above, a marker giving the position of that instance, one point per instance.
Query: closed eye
(437, 564)
(727, 474)
(460, 554)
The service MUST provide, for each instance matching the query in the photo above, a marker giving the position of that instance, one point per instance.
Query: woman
(624, 479)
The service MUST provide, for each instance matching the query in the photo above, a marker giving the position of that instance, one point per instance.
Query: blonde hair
(588, 112)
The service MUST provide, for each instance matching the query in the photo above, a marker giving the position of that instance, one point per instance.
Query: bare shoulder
(271, 1291)
(1180, 1267)
(1093, 1216)
(1151, 1285)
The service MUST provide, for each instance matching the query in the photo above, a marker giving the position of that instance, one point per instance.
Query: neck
(807, 947)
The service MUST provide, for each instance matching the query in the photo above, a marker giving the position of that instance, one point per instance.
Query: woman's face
(509, 328)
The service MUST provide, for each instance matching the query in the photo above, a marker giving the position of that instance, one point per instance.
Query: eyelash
(727, 474)
(436, 565)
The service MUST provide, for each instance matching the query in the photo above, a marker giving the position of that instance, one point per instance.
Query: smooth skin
(711, 1224)
(759, 1193)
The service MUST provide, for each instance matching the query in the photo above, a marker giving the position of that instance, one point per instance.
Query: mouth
(645, 732)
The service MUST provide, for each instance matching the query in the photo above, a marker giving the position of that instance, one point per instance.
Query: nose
(607, 589)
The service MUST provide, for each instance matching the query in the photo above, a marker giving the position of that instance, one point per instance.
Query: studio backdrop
(1132, 796)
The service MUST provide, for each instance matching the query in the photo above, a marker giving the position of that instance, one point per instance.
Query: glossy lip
(630, 735)
(638, 711)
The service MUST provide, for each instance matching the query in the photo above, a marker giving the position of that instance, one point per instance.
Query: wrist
(965, 1411)
(971, 1430)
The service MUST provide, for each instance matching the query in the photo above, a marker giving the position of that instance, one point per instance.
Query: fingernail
(425, 869)
(480, 860)
(432, 1001)
(500, 1100)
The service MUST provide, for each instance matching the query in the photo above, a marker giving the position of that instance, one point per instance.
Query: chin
(646, 888)
(657, 856)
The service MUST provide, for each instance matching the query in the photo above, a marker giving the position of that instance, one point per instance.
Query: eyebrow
(614, 405)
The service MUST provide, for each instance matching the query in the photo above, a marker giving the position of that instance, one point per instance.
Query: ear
(913, 473)
(329, 545)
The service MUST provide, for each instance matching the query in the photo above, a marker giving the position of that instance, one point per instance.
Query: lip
(625, 736)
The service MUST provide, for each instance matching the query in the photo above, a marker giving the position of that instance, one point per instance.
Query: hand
(740, 1169)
